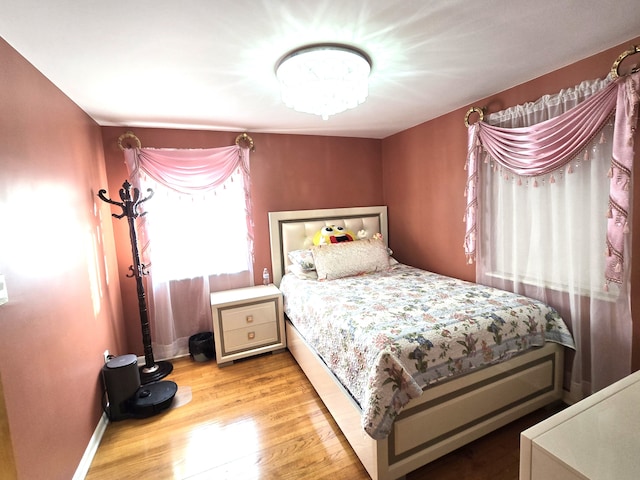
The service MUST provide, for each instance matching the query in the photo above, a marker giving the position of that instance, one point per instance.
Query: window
(549, 235)
(197, 235)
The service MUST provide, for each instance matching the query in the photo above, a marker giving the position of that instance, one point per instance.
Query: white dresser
(597, 438)
(247, 321)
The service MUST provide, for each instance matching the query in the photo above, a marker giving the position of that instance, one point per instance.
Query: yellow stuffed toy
(332, 234)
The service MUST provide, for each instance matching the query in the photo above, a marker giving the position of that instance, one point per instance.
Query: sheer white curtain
(196, 237)
(545, 236)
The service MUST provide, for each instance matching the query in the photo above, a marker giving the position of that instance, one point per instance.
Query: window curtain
(548, 208)
(197, 236)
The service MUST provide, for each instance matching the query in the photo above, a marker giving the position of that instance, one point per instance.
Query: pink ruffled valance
(547, 146)
(188, 170)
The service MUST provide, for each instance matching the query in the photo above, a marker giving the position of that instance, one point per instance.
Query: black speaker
(121, 380)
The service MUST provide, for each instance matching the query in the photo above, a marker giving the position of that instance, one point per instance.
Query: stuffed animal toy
(332, 234)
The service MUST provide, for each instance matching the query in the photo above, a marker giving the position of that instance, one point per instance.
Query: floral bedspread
(387, 335)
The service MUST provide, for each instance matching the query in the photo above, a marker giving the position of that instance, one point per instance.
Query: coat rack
(151, 371)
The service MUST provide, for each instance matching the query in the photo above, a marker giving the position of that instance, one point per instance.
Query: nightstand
(247, 321)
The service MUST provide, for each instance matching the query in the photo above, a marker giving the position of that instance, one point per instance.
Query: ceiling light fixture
(324, 79)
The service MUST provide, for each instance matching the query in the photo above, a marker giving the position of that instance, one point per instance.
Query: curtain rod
(243, 137)
(614, 74)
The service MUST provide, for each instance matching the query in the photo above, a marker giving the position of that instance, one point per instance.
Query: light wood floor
(261, 419)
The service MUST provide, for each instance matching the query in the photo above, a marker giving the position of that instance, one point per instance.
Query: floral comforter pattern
(388, 335)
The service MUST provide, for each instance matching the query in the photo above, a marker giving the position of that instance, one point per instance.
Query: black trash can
(201, 347)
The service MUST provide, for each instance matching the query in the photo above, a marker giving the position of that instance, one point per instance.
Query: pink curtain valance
(548, 146)
(188, 170)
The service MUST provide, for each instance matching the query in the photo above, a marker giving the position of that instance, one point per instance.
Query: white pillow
(350, 258)
(303, 258)
(301, 273)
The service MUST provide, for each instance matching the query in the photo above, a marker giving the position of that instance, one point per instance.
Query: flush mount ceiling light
(324, 79)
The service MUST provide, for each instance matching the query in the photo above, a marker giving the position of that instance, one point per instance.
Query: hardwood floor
(261, 419)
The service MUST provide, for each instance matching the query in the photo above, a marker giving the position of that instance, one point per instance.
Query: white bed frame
(446, 416)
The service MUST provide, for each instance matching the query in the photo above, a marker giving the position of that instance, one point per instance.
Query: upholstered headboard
(294, 230)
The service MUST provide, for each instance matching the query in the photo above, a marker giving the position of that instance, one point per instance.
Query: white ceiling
(209, 64)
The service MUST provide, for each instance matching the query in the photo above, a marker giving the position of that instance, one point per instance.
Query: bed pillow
(350, 258)
(300, 273)
(303, 258)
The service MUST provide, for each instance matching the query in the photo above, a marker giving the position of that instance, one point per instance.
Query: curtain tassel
(610, 212)
(585, 156)
(569, 169)
(606, 287)
(610, 172)
(535, 183)
(552, 179)
(602, 138)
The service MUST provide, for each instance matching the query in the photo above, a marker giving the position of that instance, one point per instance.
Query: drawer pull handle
(251, 335)
(249, 319)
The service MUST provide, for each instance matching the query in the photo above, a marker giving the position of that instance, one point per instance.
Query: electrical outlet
(106, 356)
(4, 296)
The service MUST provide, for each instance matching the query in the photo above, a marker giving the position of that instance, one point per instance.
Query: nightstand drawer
(250, 337)
(247, 321)
(248, 315)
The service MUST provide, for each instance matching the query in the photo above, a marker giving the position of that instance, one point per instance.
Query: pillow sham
(350, 258)
(303, 258)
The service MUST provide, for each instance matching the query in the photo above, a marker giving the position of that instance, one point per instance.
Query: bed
(401, 411)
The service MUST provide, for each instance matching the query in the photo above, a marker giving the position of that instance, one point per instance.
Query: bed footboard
(447, 416)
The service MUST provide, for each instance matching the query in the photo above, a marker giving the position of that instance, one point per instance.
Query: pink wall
(64, 274)
(288, 172)
(424, 180)
(56, 255)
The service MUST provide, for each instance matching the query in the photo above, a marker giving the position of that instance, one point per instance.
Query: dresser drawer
(235, 318)
(250, 337)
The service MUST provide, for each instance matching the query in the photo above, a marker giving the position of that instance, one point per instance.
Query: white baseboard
(92, 448)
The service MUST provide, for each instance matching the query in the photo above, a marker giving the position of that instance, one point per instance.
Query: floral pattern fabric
(389, 334)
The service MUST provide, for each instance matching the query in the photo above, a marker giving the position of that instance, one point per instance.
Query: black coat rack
(151, 371)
